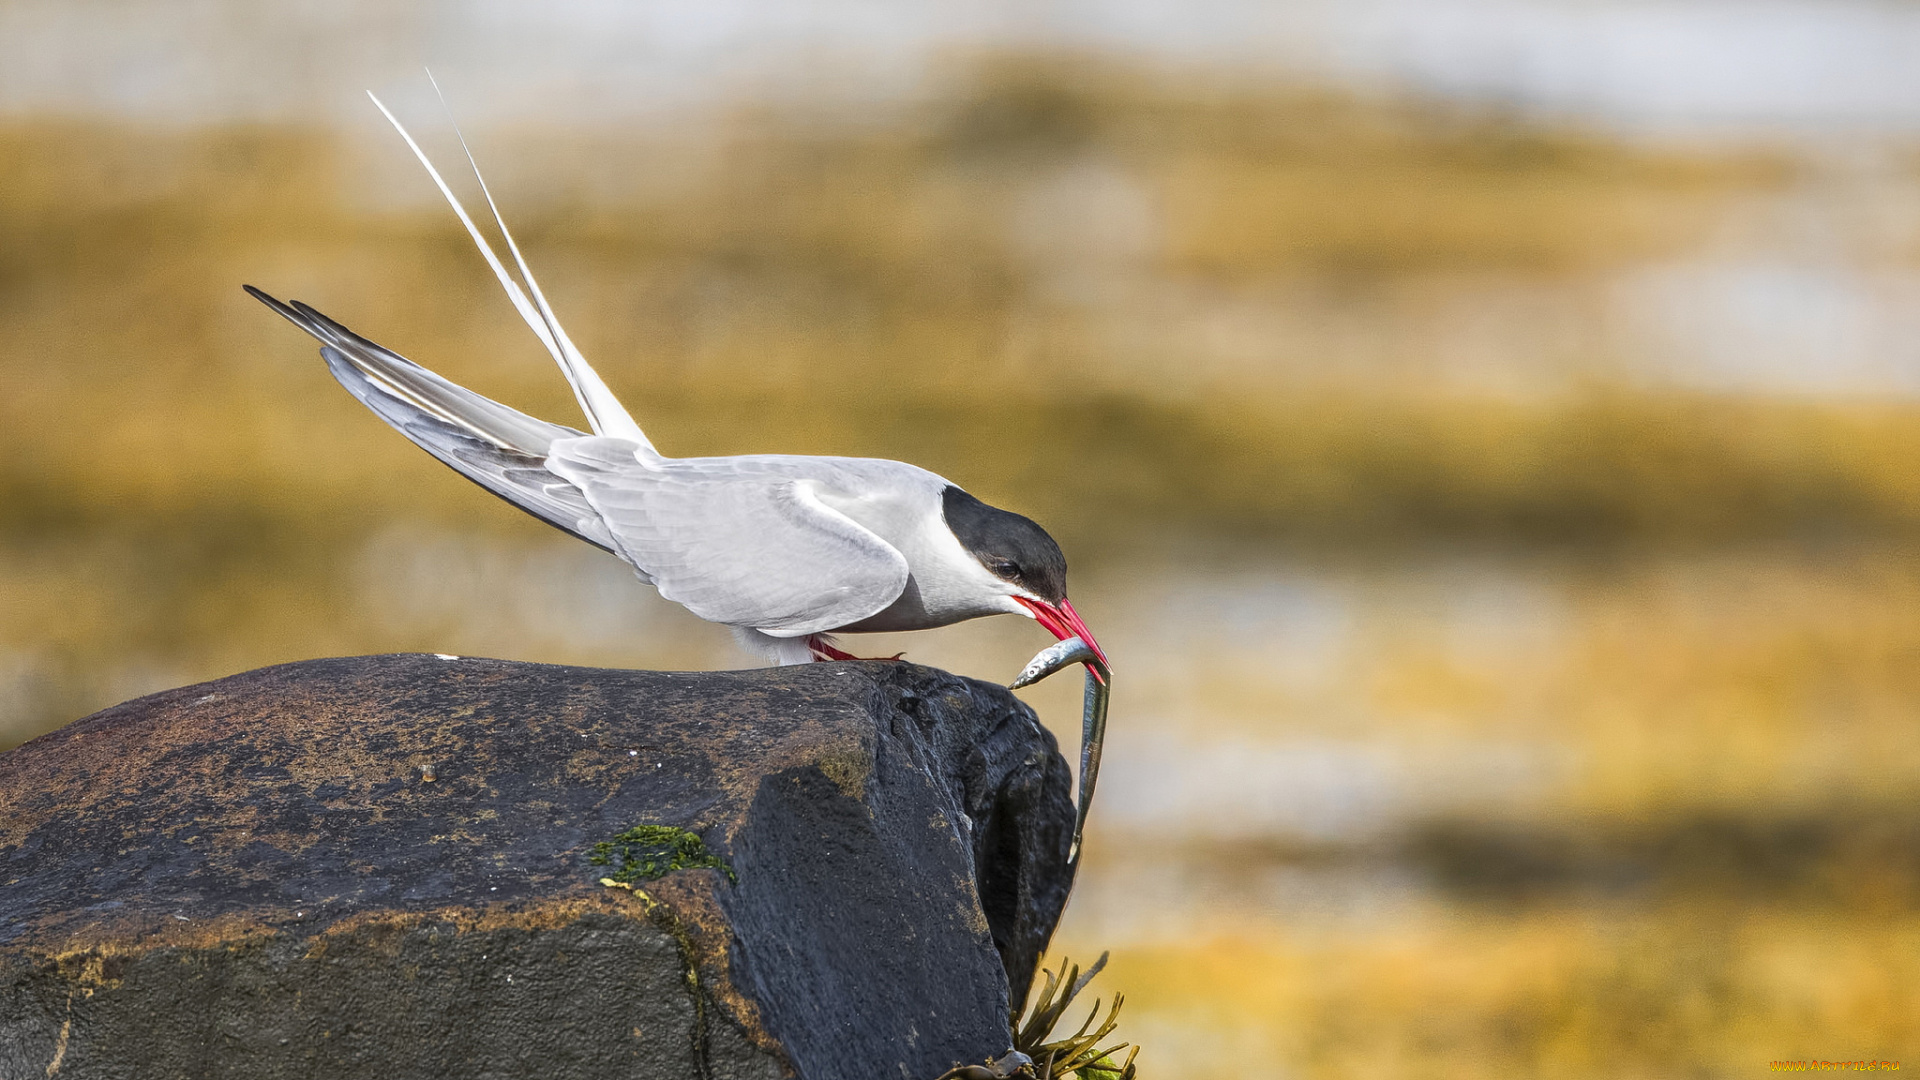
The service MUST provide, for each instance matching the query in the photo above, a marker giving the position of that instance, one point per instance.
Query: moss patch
(645, 852)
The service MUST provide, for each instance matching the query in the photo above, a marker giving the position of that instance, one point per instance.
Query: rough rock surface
(382, 867)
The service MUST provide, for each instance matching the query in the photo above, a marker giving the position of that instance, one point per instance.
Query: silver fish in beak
(1093, 718)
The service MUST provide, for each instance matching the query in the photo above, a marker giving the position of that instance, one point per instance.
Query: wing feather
(521, 479)
(735, 545)
(501, 449)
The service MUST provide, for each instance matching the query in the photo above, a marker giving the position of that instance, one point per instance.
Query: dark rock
(383, 868)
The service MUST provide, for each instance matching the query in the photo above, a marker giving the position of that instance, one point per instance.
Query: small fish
(1093, 720)
(1054, 657)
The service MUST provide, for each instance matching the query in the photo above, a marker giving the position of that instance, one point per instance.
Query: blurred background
(1486, 434)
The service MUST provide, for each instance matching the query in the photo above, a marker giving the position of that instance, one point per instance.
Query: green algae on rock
(646, 852)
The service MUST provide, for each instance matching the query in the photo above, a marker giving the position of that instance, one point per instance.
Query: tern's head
(1021, 555)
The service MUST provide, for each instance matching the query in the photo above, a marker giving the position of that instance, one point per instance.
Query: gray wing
(520, 479)
(734, 544)
(501, 449)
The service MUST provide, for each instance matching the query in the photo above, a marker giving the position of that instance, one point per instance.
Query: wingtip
(298, 314)
(276, 304)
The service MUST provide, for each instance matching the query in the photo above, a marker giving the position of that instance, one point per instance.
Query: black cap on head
(1011, 546)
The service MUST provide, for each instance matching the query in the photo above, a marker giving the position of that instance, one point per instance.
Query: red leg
(824, 650)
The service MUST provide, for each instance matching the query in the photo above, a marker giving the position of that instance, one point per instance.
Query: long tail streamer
(604, 412)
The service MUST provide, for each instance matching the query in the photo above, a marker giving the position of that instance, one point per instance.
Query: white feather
(604, 412)
(781, 652)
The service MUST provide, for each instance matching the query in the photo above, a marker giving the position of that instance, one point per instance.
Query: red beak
(1063, 622)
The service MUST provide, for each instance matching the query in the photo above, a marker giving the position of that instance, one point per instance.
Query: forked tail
(604, 412)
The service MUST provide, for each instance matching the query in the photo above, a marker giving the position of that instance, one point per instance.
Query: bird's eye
(1006, 568)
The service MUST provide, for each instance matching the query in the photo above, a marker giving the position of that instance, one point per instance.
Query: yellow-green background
(1494, 698)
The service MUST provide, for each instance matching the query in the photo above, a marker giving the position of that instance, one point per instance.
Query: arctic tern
(786, 550)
